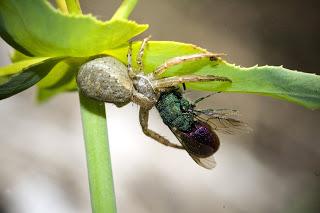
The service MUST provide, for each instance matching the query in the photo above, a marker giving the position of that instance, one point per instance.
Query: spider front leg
(181, 59)
(139, 61)
(141, 52)
(144, 118)
(131, 73)
(174, 81)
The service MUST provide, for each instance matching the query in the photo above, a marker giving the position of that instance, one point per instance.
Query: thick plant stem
(62, 6)
(98, 155)
(125, 9)
(73, 6)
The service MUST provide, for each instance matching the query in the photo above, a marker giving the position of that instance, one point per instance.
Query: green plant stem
(98, 155)
(61, 4)
(95, 133)
(73, 6)
(125, 9)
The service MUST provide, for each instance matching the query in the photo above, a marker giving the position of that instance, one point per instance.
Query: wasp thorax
(105, 79)
(173, 109)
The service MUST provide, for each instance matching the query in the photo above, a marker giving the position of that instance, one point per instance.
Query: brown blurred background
(276, 168)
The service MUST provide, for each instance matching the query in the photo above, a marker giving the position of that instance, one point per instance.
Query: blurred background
(276, 168)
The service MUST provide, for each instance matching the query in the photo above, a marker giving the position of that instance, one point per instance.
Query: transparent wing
(223, 120)
(222, 113)
(208, 162)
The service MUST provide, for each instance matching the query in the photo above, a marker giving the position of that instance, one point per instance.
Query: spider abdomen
(106, 79)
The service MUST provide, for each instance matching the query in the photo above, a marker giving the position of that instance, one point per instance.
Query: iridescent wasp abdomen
(195, 129)
(201, 141)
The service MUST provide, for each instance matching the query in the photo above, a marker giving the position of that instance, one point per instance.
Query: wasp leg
(144, 117)
(141, 52)
(180, 59)
(173, 81)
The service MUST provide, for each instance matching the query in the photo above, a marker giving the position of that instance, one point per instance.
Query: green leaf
(17, 56)
(157, 52)
(61, 78)
(278, 82)
(34, 27)
(27, 77)
(18, 66)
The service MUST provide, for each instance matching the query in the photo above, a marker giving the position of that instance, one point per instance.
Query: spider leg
(180, 59)
(141, 52)
(129, 57)
(144, 117)
(142, 100)
(173, 81)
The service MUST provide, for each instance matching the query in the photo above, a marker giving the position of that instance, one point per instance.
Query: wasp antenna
(184, 86)
(205, 97)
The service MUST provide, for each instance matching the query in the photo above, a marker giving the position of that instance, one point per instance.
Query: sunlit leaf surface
(34, 27)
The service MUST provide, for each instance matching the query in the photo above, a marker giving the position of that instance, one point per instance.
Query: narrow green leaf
(26, 78)
(17, 56)
(278, 82)
(34, 27)
(19, 66)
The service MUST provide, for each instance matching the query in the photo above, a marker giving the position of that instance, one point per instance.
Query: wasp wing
(207, 162)
(222, 120)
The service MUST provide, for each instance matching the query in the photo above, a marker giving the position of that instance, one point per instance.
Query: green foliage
(27, 78)
(21, 65)
(278, 82)
(35, 28)
(17, 56)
